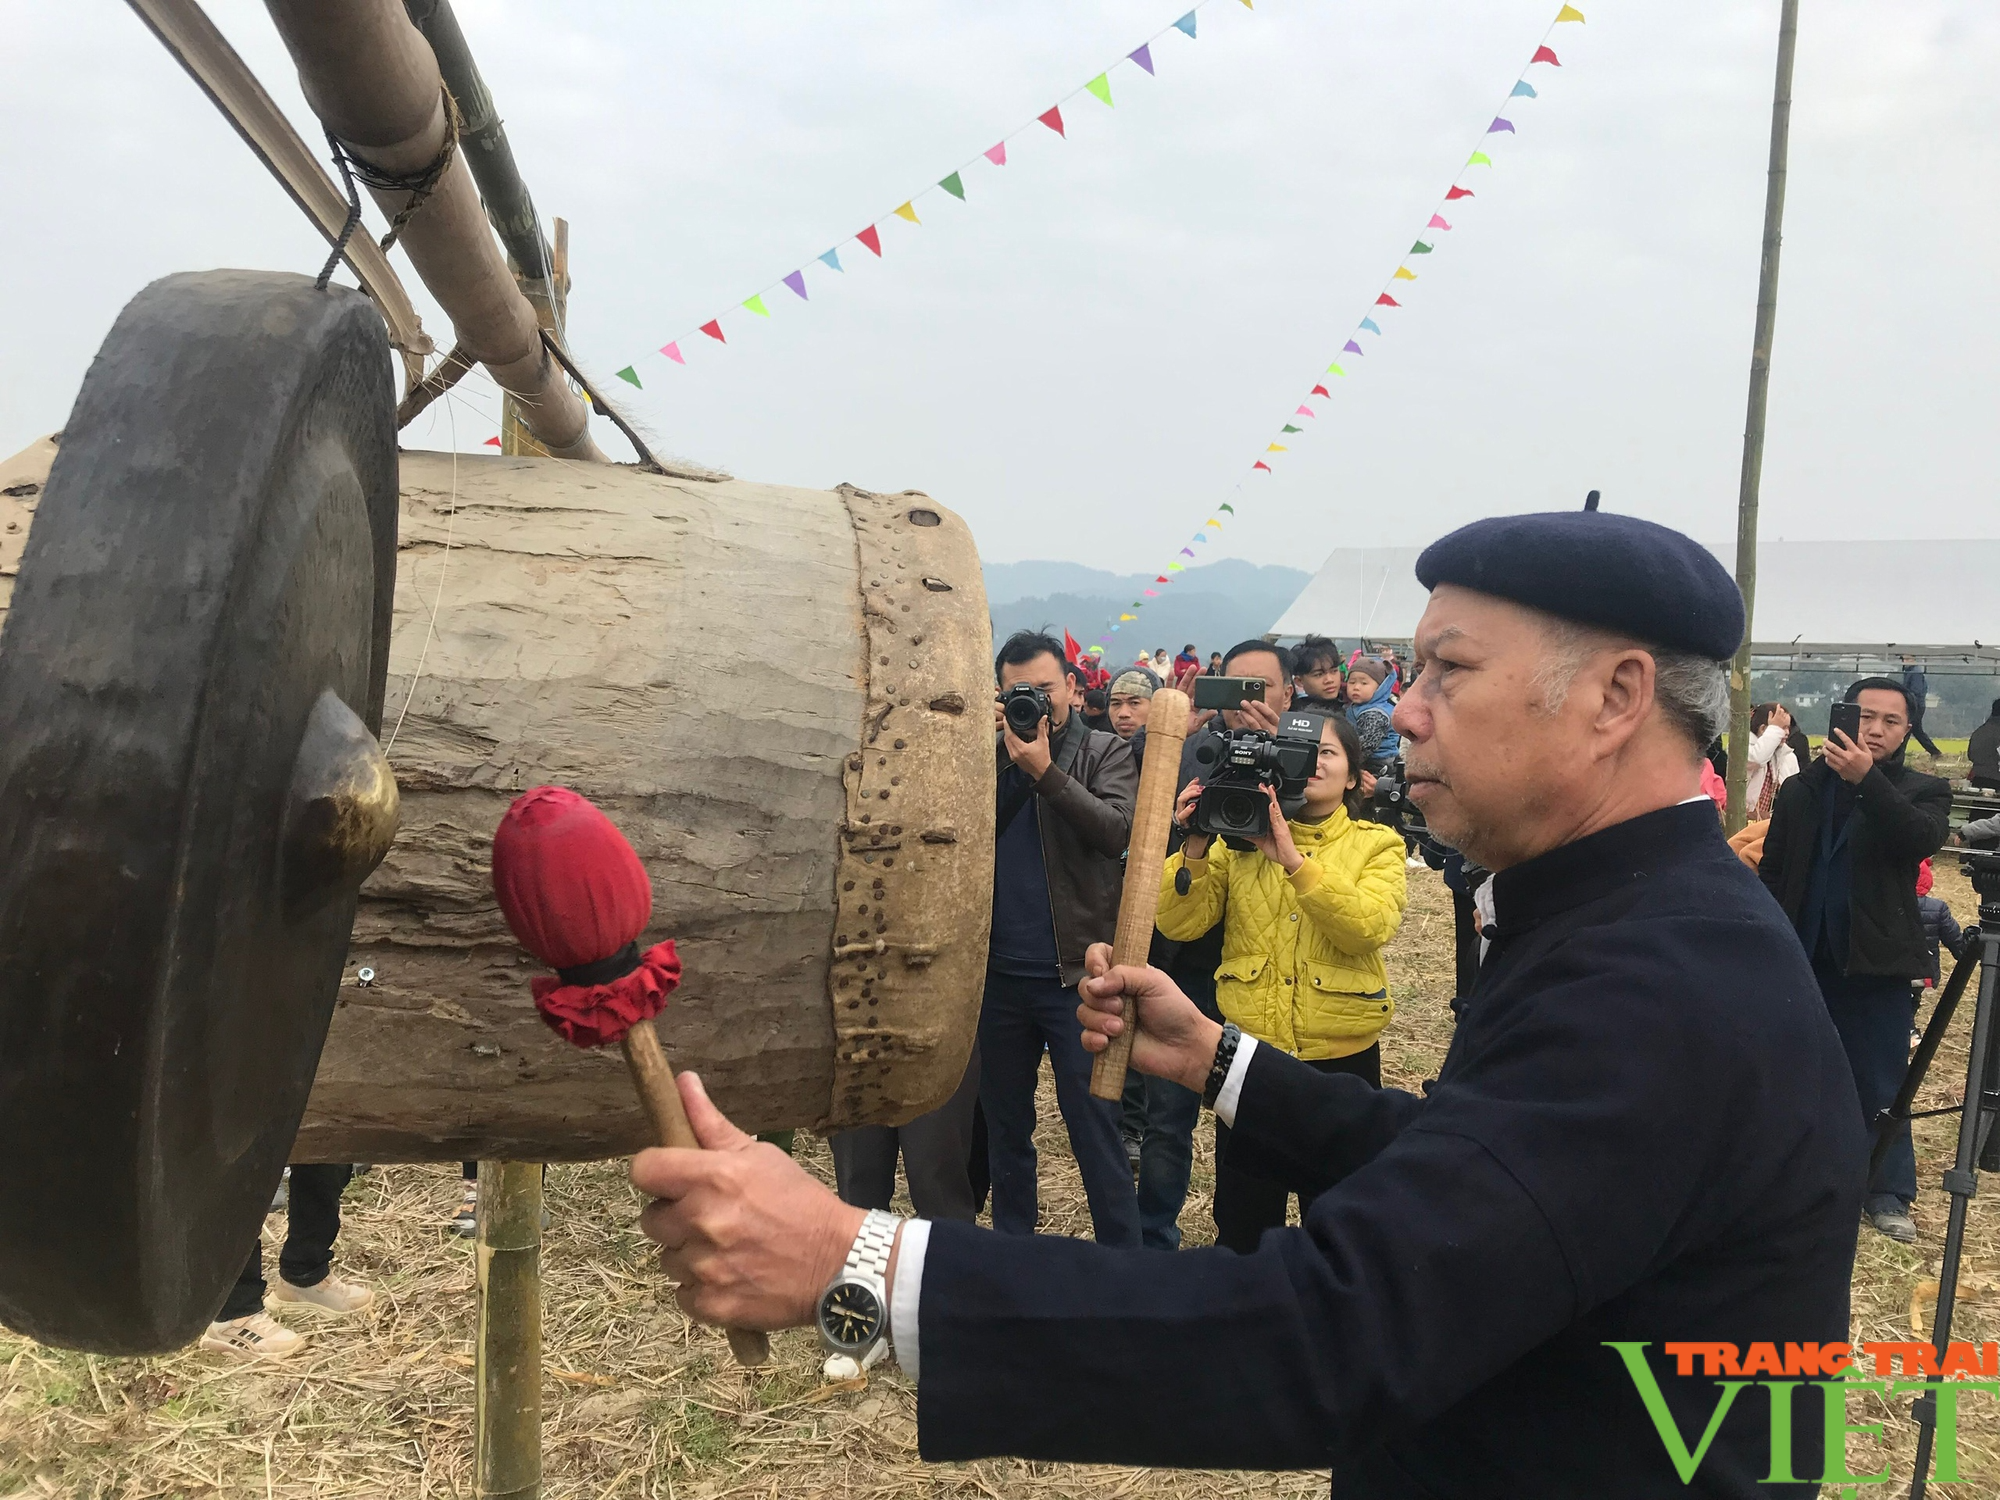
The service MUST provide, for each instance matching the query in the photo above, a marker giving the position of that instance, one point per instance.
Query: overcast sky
(1085, 357)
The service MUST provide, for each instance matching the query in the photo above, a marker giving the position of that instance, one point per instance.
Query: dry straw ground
(639, 1404)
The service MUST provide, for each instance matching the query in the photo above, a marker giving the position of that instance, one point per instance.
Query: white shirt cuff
(906, 1292)
(1232, 1083)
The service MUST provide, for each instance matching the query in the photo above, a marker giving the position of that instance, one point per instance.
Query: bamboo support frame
(1737, 811)
(507, 1363)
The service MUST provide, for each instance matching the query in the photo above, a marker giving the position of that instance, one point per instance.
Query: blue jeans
(1873, 1013)
(1019, 1019)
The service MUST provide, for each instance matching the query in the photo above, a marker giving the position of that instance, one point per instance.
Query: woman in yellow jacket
(1305, 917)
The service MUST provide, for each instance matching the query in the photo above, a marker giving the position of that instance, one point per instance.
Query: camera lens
(1238, 810)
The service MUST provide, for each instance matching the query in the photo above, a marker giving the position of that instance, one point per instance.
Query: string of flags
(1386, 300)
(953, 185)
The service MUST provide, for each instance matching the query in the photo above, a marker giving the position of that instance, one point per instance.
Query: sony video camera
(1232, 806)
(1024, 707)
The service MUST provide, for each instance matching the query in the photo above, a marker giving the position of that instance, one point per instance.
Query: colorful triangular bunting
(1276, 448)
(1456, 193)
(872, 238)
(1143, 56)
(907, 212)
(756, 305)
(1420, 248)
(797, 282)
(1230, 508)
(713, 328)
(997, 154)
(630, 374)
(1404, 273)
(1052, 118)
(953, 186)
(1320, 390)
(492, 442)
(1350, 347)
(1499, 125)
(1334, 369)
(831, 258)
(1186, 23)
(673, 352)
(1437, 222)
(1260, 464)
(1479, 159)
(1569, 13)
(1524, 90)
(1288, 427)
(1101, 86)
(1371, 325)
(1303, 411)
(1547, 55)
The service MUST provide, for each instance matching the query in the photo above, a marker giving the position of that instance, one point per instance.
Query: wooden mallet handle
(653, 1076)
(1145, 857)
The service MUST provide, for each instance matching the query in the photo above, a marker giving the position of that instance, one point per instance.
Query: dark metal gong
(190, 792)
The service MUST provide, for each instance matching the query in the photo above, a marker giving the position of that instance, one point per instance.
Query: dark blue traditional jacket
(1644, 1130)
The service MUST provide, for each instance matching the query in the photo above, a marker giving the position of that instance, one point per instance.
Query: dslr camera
(1024, 707)
(1232, 806)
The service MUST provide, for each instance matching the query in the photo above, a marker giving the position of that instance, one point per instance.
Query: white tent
(1937, 599)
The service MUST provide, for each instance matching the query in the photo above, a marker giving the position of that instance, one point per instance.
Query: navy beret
(1596, 568)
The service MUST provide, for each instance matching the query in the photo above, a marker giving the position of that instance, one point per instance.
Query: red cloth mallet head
(577, 898)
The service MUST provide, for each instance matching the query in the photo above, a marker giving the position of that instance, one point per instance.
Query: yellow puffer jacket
(1301, 954)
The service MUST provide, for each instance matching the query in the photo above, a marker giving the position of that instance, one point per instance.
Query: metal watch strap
(869, 1254)
(1225, 1055)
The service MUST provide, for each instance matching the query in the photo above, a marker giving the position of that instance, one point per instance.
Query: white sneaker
(329, 1296)
(259, 1336)
(466, 1221)
(1416, 862)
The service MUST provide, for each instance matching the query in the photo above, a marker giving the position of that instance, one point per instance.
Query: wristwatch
(854, 1309)
(1225, 1057)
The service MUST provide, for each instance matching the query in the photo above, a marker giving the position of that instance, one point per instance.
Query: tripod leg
(1961, 1181)
(1898, 1113)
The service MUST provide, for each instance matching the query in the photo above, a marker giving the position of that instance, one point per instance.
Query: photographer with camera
(1841, 855)
(1064, 816)
(1305, 912)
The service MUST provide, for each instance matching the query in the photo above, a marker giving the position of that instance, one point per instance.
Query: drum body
(780, 696)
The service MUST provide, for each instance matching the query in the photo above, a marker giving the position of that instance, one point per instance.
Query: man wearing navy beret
(1644, 1131)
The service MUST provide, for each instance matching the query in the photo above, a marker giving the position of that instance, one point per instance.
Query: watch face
(850, 1315)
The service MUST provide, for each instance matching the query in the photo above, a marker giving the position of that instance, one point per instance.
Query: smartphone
(1845, 717)
(1227, 692)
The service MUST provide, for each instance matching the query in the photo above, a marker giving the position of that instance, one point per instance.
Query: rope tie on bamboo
(419, 184)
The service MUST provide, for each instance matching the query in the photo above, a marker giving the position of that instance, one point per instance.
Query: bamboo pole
(1753, 424)
(507, 1365)
(507, 1426)
(550, 300)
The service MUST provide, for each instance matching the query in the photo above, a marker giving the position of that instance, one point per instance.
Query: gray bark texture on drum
(780, 696)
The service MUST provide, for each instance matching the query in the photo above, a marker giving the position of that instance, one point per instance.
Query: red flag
(871, 238)
(1320, 390)
(1053, 119)
(492, 442)
(1163, 579)
(1260, 464)
(1072, 647)
(713, 328)
(1458, 192)
(1385, 300)
(1544, 54)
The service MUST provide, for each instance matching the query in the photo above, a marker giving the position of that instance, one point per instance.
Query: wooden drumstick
(653, 1076)
(1145, 858)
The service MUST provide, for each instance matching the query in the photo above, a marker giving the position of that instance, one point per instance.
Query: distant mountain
(1214, 606)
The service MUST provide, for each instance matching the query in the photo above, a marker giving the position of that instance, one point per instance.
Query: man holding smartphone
(1846, 837)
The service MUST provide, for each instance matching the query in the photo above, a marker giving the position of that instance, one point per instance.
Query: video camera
(1232, 806)
(1024, 707)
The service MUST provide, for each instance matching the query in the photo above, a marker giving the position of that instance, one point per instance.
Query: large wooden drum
(781, 696)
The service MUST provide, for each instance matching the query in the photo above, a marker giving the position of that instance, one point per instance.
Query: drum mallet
(1145, 858)
(577, 898)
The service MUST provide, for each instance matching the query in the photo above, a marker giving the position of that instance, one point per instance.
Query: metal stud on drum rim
(191, 677)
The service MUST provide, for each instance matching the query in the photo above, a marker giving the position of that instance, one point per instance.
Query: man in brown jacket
(1064, 813)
